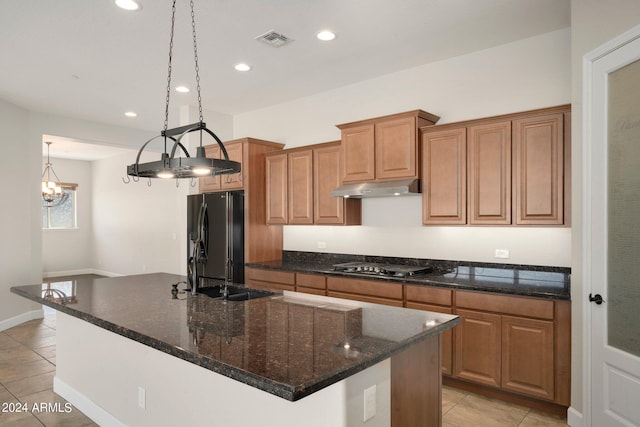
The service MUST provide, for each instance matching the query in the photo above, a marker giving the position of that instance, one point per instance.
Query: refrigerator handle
(228, 266)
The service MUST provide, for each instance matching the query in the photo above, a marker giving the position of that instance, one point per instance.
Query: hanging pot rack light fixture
(170, 166)
(52, 194)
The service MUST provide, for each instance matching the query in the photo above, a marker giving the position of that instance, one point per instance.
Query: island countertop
(290, 345)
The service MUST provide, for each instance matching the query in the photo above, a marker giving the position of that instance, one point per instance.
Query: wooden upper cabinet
(208, 184)
(358, 149)
(233, 181)
(539, 169)
(489, 172)
(444, 176)
(383, 148)
(514, 170)
(326, 178)
(300, 187)
(327, 170)
(276, 188)
(396, 149)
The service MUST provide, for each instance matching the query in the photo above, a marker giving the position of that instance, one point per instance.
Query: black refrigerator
(215, 236)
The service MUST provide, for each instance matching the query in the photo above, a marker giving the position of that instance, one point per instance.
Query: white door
(612, 230)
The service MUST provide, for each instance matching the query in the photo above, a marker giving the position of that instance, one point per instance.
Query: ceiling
(94, 61)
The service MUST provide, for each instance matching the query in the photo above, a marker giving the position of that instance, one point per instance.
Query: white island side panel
(101, 372)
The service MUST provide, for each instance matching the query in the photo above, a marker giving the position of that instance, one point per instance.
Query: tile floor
(27, 367)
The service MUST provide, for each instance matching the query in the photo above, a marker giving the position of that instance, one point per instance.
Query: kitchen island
(131, 352)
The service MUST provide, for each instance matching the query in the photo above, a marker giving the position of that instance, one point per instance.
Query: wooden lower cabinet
(478, 347)
(311, 284)
(447, 336)
(519, 346)
(374, 291)
(527, 356)
(272, 280)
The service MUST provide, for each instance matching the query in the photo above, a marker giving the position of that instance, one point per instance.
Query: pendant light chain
(166, 107)
(172, 164)
(195, 56)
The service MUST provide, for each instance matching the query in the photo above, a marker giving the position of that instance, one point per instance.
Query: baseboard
(78, 272)
(574, 418)
(106, 273)
(85, 405)
(21, 318)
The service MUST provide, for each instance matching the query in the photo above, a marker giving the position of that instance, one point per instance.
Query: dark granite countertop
(525, 280)
(290, 345)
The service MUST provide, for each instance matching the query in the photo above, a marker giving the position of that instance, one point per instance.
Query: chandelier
(52, 194)
(170, 166)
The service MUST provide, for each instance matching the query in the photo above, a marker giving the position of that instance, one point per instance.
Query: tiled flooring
(462, 409)
(27, 367)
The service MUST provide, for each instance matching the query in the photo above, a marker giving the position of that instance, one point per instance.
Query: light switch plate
(502, 253)
(142, 398)
(369, 402)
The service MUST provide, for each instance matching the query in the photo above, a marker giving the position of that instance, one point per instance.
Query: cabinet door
(358, 154)
(234, 181)
(539, 169)
(447, 336)
(396, 149)
(444, 177)
(489, 169)
(478, 347)
(326, 178)
(208, 184)
(276, 198)
(528, 356)
(300, 187)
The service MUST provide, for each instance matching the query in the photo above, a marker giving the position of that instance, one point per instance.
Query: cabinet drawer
(521, 306)
(311, 281)
(272, 276)
(314, 291)
(366, 298)
(429, 295)
(365, 287)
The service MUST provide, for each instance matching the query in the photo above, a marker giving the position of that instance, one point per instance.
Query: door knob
(597, 299)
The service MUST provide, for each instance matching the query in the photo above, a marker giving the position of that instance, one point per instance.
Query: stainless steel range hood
(405, 187)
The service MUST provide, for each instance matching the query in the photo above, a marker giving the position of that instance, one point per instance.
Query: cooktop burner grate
(380, 269)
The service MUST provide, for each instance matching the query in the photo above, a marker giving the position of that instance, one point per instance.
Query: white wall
(524, 75)
(70, 250)
(593, 23)
(20, 256)
(136, 227)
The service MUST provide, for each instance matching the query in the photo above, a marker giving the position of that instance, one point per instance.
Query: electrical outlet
(142, 398)
(322, 244)
(502, 253)
(369, 403)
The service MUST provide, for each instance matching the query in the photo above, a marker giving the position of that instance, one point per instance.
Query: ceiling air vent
(274, 39)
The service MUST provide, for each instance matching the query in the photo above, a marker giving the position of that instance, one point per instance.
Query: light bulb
(202, 171)
(165, 174)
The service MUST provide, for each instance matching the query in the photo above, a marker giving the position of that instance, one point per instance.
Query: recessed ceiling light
(129, 4)
(182, 89)
(242, 67)
(326, 35)
(130, 114)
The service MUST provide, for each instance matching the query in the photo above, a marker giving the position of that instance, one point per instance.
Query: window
(64, 214)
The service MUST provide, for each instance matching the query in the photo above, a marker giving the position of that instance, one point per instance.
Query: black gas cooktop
(379, 269)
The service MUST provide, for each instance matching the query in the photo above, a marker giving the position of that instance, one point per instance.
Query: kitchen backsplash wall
(524, 75)
(392, 227)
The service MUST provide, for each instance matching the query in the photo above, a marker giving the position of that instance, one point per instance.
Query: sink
(235, 293)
